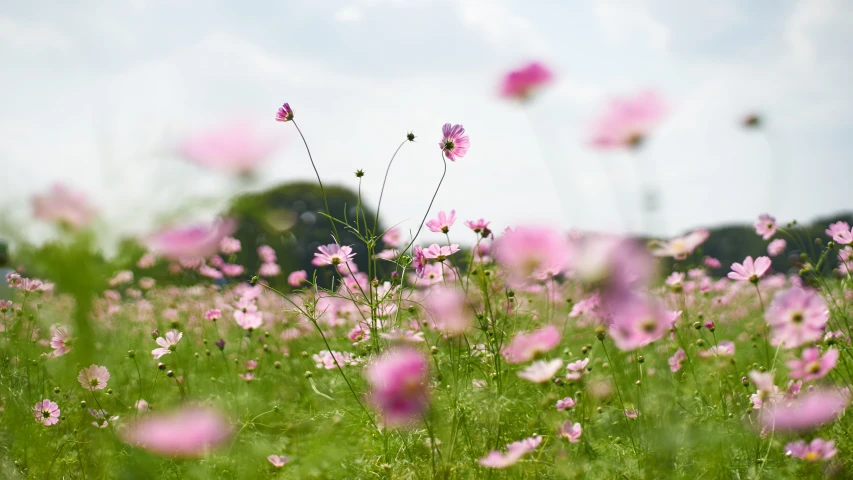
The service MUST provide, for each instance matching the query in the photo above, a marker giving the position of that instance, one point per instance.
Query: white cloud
(20, 34)
(626, 21)
(349, 14)
(501, 26)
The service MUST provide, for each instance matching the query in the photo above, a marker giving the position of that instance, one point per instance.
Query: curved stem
(423, 221)
(322, 189)
(384, 181)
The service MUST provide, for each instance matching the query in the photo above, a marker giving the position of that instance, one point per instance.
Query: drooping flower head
(94, 377)
(526, 346)
(191, 242)
(236, 148)
(454, 143)
(797, 316)
(442, 223)
(514, 452)
(627, 121)
(284, 113)
(398, 382)
(60, 341)
(46, 412)
(750, 271)
(187, 432)
(333, 254)
(522, 83)
(765, 226)
(64, 206)
(571, 431)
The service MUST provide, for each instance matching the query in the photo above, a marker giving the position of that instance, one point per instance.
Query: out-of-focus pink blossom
(765, 226)
(807, 412)
(398, 382)
(813, 365)
(637, 321)
(392, 237)
(235, 148)
(188, 432)
(797, 316)
(541, 371)
(63, 206)
(278, 461)
(776, 247)
(269, 270)
(628, 121)
(191, 242)
(266, 254)
(445, 307)
(677, 360)
(817, 450)
(515, 451)
(680, 247)
(229, 246)
(297, 278)
(525, 346)
(571, 431)
(532, 253)
(520, 84)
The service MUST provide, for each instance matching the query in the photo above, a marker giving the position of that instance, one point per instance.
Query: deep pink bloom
(525, 346)
(797, 316)
(266, 254)
(532, 253)
(442, 223)
(818, 449)
(541, 371)
(750, 270)
(776, 247)
(515, 450)
(712, 262)
(454, 142)
(806, 412)
(571, 431)
(94, 377)
(235, 148)
(765, 226)
(168, 344)
(680, 247)
(637, 321)
(333, 254)
(278, 461)
(60, 342)
(188, 432)
(520, 84)
(213, 314)
(565, 404)
(627, 121)
(46, 412)
(297, 278)
(398, 382)
(812, 365)
(284, 113)
(64, 206)
(419, 260)
(677, 360)
(192, 242)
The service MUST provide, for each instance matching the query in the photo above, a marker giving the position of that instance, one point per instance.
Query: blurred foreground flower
(235, 148)
(818, 449)
(68, 208)
(627, 121)
(514, 452)
(807, 412)
(522, 83)
(191, 242)
(188, 432)
(398, 383)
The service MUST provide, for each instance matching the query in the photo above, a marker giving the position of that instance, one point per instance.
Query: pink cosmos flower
(541, 371)
(632, 413)
(141, 405)
(442, 223)
(776, 247)
(46, 412)
(266, 254)
(480, 226)
(723, 348)
(188, 432)
(403, 336)
(392, 237)
(102, 418)
(674, 280)
(610, 263)
(231, 270)
(807, 412)
(818, 449)
(445, 307)
(297, 278)
(515, 450)
(749, 270)
(565, 404)
(571, 431)
(627, 121)
(248, 320)
(638, 321)
(284, 113)
(677, 360)
(525, 346)
(765, 226)
(419, 260)
(333, 254)
(146, 261)
(680, 247)
(198, 241)
(712, 262)
(63, 206)
(230, 246)
(440, 253)
(236, 148)
(13, 279)
(209, 272)
(532, 253)
(797, 316)
(520, 84)
(269, 270)
(327, 360)
(576, 369)
(123, 276)
(168, 344)
(454, 142)
(60, 342)
(278, 461)
(837, 228)
(94, 377)
(812, 365)
(389, 254)
(398, 382)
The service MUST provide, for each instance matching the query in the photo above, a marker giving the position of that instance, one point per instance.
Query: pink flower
(680, 247)
(571, 431)
(445, 307)
(627, 121)
(677, 360)
(749, 270)
(765, 226)
(565, 404)
(269, 270)
(520, 84)
(443, 223)
(168, 344)
(327, 360)
(818, 449)
(440, 253)
(141, 405)
(674, 280)
(60, 342)
(419, 260)
(235, 148)
(284, 113)
(197, 241)
(146, 261)
(812, 365)
(776, 247)
(797, 316)
(278, 461)
(532, 253)
(632, 413)
(392, 237)
(231, 270)
(454, 142)
(637, 321)
(837, 228)
(723, 348)
(297, 278)
(711, 262)
(333, 254)
(123, 276)
(515, 450)
(64, 206)
(398, 382)
(576, 369)
(525, 346)
(229, 246)
(541, 371)
(94, 377)
(209, 272)
(46, 412)
(807, 412)
(188, 432)
(266, 254)
(248, 320)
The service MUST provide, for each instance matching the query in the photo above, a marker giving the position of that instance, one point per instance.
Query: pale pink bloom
(680, 247)
(248, 376)
(675, 279)
(30, 285)
(94, 377)
(818, 449)
(278, 461)
(520, 84)
(445, 306)
(269, 270)
(236, 148)
(124, 276)
(637, 321)
(13, 279)
(147, 261)
(627, 121)
(525, 346)
(63, 206)
(297, 278)
(440, 253)
(209, 272)
(333, 254)
(229, 246)
(515, 450)
(284, 113)
(776, 247)
(797, 316)
(480, 226)
(677, 360)
(541, 371)
(587, 306)
(398, 382)
(532, 253)
(192, 242)
(359, 334)
(812, 365)
(266, 254)
(231, 270)
(102, 418)
(407, 336)
(141, 405)
(213, 314)
(392, 237)
(248, 320)
(632, 413)
(712, 262)
(167, 344)
(188, 432)
(807, 412)
(442, 223)
(565, 404)
(389, 254)
(749, 270)
(454, 143)
(837, 228)
(46, 412)
(723, 348)
(576, 369)
(611, 263)
(60, 342)
(327, 360)
(765, 226)
(571, 431)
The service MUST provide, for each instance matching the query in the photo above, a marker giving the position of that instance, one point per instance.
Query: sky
(96, 94)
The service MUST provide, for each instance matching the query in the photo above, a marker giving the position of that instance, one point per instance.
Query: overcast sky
(95, 94)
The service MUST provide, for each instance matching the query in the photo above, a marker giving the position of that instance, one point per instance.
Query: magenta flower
(94, 377)
(60, 342)
(454, 142)
(680, 247)
(812, 365)
(749, 270)
(627, 121)
(571, 431)
(515, 450)
(525, 346)
(565, 404)
(46, 412)
(520, 84)
(532, 253)
(677, 360)
(64, 206)
(776, 247)
(419, 260)
(638, 321)
(236, 148)
(333, 254)
(188, 432)
(443, 223)
(796, 317)
(765, 226)
(541, 371)
(297, 278)
(284, 113)
(807, 412)
(398, 382)
(818, 449)
(191, 242)
(168, 344)
(278, 461)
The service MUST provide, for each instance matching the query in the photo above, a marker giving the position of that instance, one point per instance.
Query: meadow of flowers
(500, 352)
